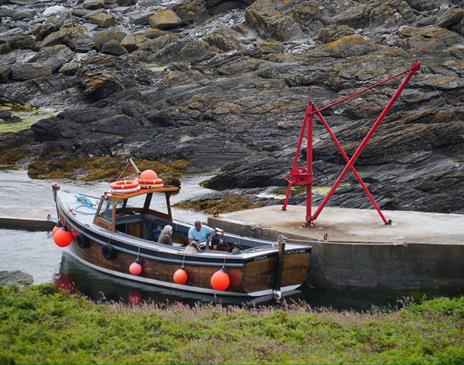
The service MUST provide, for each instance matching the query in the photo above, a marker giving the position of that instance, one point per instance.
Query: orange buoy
(63, 237)
(220, 280)
(148, 175)
(56, 228)
(134, 298)
(135, 268)
(180, 276)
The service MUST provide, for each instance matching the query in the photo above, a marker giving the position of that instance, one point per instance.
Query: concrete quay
(353, 248)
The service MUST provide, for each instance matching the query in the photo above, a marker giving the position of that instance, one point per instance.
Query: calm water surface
(35, 253)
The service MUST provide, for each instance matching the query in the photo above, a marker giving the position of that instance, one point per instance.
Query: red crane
(303, 176)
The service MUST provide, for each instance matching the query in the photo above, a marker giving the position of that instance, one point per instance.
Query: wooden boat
(117, 234)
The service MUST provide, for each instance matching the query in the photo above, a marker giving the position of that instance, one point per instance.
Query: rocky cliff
(224, 85)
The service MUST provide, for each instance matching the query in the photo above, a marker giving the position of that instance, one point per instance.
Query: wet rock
(114, 48)
(21, 42)
(108, 36)
(4, 48)
(93, 4)
(450, 18)
(257, 171)
(269, 46)
(26, 71)
(223, 39)
(76, 38)
(15, 278)
(54, 10)
(103, 20)
(7, 117)
(99, 84)
(130, 43)
(347, 46)
(70, 68)
(126, 2)
(334, 32)
(190, 10)
(427, 39)
(139, 17)
(263, 16)
(5, 71)
(55, 56)
(52, 24)
(165, 19)
(183, 50)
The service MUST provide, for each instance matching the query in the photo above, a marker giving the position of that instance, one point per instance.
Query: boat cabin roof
(107, 213)
(163, 189)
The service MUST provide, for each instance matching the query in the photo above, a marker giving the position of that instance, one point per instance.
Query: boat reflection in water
(99, 287)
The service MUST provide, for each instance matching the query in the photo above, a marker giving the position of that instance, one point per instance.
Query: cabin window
(106, 211)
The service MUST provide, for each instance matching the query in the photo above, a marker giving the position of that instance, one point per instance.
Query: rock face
(224, 85)
(32, 70)
(15, 278)
(165, 19)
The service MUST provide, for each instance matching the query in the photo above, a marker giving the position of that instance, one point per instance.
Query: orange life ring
(148, 184)
(124, 184)
(125, 191)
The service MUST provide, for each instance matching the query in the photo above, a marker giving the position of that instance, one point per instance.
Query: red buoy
(135, 268)
(63, 237)
(180, 276)
(148, 175)
(220, 280)
(134, 298)
(56, 228)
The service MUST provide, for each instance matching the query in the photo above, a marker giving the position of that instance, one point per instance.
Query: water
(35, 254)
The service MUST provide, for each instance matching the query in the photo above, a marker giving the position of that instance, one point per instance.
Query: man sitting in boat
(166, 235)
(200, 234)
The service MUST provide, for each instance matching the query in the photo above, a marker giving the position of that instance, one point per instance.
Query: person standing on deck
(200, 233)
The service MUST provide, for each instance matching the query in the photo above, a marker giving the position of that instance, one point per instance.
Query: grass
(42, 325)
(224, 204)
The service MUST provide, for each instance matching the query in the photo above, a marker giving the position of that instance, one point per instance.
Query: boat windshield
(106, 210)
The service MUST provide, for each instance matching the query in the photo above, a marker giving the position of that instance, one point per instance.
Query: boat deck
(348, 225)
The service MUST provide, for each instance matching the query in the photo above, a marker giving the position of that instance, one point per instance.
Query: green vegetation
(12, 156)
(224, 204)
(41, 325)
(27, 113)
(68, 166)
(298, 189)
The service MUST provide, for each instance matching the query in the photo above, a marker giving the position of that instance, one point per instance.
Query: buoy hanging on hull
(220, 280)
(62, 237)
(135, 268)
(180, 277)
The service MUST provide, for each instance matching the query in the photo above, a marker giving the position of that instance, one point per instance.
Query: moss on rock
(97, 168)
(224, 204)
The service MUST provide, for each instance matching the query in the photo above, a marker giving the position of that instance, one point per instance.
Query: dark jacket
(165, 238)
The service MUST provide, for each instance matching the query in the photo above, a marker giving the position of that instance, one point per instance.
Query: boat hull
(252, 275)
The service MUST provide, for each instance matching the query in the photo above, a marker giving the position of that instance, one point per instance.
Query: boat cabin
(114, 214)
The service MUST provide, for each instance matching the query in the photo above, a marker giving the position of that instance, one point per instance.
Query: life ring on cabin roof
(125, 191)
(124, 184)
(150, 183)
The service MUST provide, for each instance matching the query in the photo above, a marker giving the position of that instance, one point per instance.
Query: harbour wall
(382, 265)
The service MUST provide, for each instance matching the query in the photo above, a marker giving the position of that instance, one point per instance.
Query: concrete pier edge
(383, 264)
(29, 224)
